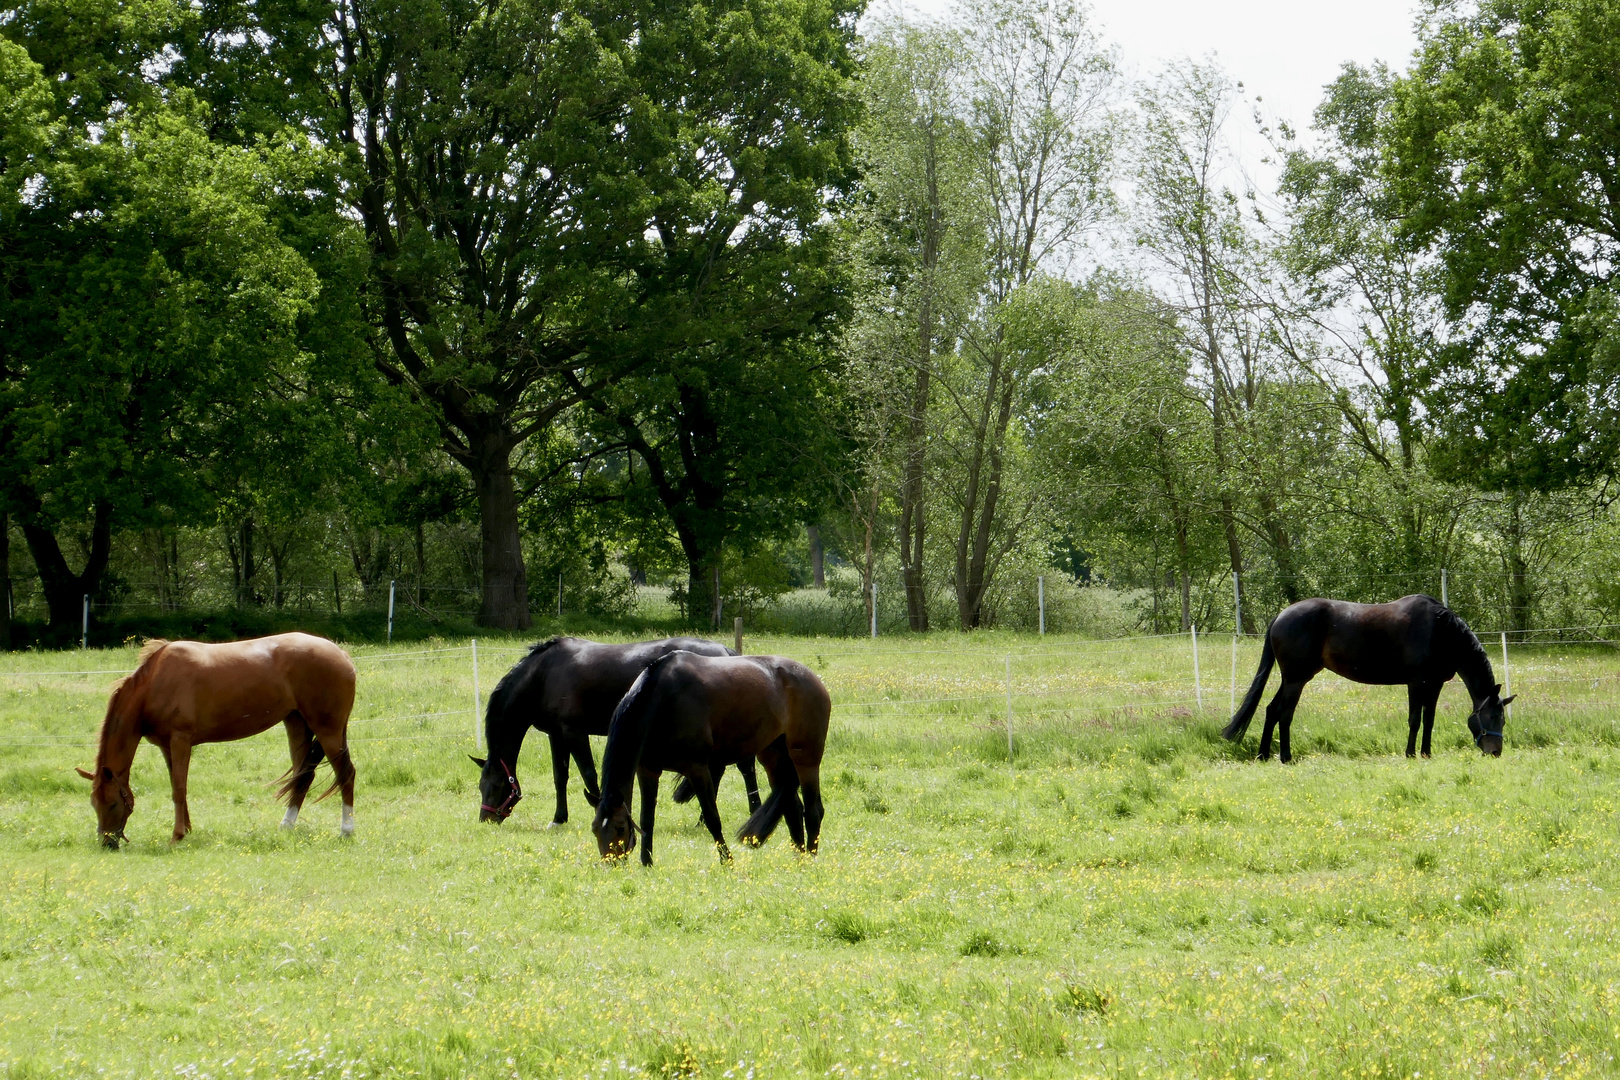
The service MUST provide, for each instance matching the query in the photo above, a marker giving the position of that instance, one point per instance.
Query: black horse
(568, 689)
(693, 715)
(1416, 640)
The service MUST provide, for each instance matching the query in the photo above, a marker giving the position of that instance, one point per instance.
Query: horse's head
(1486, 721)
(498, 789)
(113, 802)
(615, 833)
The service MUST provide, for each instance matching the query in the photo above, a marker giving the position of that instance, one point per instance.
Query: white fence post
(1507, 676)
(475, 689)
(1444, 599)
(1009, 711)
(874, 609)
(1234, 673)
(1198, 684)
(84, 642)
(1237, 605)
(1040, 598)
(391, 585)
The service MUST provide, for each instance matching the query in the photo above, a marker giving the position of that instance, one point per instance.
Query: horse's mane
(124, 688)
(627, 732)
(500, 696)
(1476, 659)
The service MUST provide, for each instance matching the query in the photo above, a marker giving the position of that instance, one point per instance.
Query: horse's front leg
(178, 754)
(579, 745)
(559, 777)
(649, 810)
(1431, 700)
(1414, 719)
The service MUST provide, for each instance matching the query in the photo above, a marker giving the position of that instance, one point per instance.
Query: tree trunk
(973, 568)
(5, 582)
(64, 590)
(505, 603)
(818, 568)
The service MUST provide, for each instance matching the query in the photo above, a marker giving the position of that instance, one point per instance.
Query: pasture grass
(1125, 894)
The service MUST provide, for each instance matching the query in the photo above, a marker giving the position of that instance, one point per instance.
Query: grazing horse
(1415, 640)
(568, 689)
(694, 715)
(183, 693)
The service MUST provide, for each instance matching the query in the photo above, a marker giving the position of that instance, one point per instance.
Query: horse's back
(576, 683)
(233, 688)
(1371, 643)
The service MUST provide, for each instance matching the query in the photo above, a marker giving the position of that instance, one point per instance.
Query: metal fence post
(1040, 598)
(84, 642)
(1009, 711)
(1198, 684)
(391, 585)
(874, 609)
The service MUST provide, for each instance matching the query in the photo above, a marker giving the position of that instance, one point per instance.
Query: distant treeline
(533, 303)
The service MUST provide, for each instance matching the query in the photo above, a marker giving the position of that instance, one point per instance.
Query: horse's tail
(762, 822)
(684, 791)
(289, 780)
(342, 770)
(1251, 700)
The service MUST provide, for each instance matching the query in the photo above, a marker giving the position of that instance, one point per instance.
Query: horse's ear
(84, 773)
(1498, 689)
(478, 761)
(1509, 699)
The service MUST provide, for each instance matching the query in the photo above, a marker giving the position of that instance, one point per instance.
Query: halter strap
(514, 794)
(1479, 739)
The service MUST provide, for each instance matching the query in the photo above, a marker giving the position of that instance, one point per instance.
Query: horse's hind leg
(1284, 703)
(703, 786)
(334, 740)
(306, 754)
(750, 782)
(810, 784)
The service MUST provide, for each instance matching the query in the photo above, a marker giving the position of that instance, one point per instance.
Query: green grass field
(1125, 895)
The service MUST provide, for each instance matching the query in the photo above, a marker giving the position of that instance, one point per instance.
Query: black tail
(684, 791)
(1251, 700)
(762, 822)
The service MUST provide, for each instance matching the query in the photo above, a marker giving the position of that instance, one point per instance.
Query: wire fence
(1011, 685)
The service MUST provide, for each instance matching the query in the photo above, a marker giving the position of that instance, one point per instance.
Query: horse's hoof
(725, 853)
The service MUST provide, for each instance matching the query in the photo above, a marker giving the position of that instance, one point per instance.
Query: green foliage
(1499, 141)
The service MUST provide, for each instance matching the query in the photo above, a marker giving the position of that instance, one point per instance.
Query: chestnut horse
(694, 715)
(183, 693)
(1415, 640)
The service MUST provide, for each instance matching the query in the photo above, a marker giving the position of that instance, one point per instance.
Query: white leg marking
(347, 828)
(291, 819)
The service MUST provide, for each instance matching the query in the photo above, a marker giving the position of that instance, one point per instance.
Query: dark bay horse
(568, 688)
(1415, 640)
(183, 693)
(693, 715)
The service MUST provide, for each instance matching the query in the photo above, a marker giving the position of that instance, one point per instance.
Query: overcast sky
(1283, 51)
